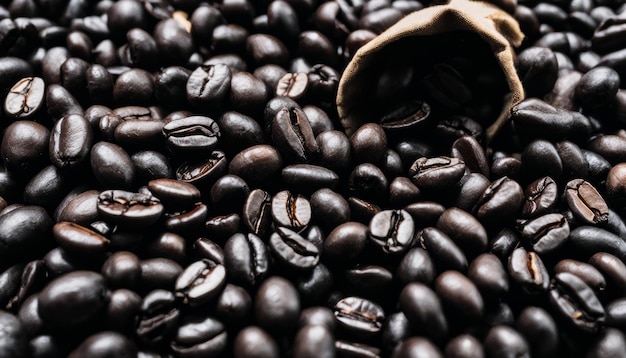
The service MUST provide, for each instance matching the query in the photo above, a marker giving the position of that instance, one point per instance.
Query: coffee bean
(464, 230)
(585, 202)
(246, 258)
(293, 250)
(427, 316)
(546, 233)
(314, 341)
(257, 211)
(590, 240)
(393, 230)
(254, 340)
(541, 197)
(436, 173)
(208, 85)
(78, 239)
(586, 272)
(345, 243)
(576, 302)
(256, 164)
(204, 336)
(200, 282)
(14, 342)
(293, 135)
(359, 316)
(24, 145)
(25, 98)
(502, 341)
(528, 271)
(291, 211)
(277, 305)
(203, 171)
(129, 209)
(111, 165)
(157, 318)
(613, 270)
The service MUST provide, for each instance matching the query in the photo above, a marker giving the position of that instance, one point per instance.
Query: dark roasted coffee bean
(223, 226)
(291, 211)
(540, 197)
(293, 85)
(25, 98)
(200, 282)
(369, 143)
(174, 194)
(257, 164)
(403, 192)
(277, 305)
(436, 173)
(416, 265)
(228, 194)
(368, 182)
(540, 158)
(70, 141)
(586, 272)
(239, 131)
(527, 270)
(24, 145)
(464, 230)
(246, 259)
(159, 273)
(470, 189)
(546, 233)
(248, 94)
(416, 346)
(208, 86)
(423, 308)
(576, 302)
(444, 251)
(539, 330)
(72, 299)
(359, 316)
(334, 150)
(157, 318)
(200, 336)
(81, 208)
(585, 202)
(345, 243)
(122, 269)
(309, 178)
(207, 249)
(105, 344)
(369, 278)
(597, 87)
(253, 340)
(233, 305)
(111, 165)
(257, 211)
(24, 233)
(14, 341)
(356, 349)
(616, 313)
(137, 134)
(502, 199)
(590, 240)
(459, 294)
(612, 269)
(293, 250)
(79, 239)
(464, 346)
(134, 86)
(611, 147)
(129, 209)
(329, 208)
(538, 70)
(503, 341)
(10, 283)
(314, 341)
(392, 230)
(293, 135)
(489, 275)
(203, 171)
(534, 118)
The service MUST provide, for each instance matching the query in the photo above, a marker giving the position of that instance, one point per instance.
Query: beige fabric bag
(496, 27)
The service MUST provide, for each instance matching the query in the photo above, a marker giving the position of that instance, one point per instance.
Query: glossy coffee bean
(111, 165)
(464, 346)
(24, 233)
(24, 145)
(256, 164)
(203, 336)
(540, 197)
(14, 341)
(277, 304)
(586, 272)
(25, 98)
(246, 259)
(79, 239)
(293, 250)
(436, 173)
(392, 230)
(291, 211)
(417, 347)
(105, 344)
(293, 135)
(345, 243)
(72, 299)
(70, 141)
(501, 341)
(528, 270)
(257, 211)
(586, 202)
(203, 171)
(424, 310)
(158, 317)
(359, 316)
(570, 294)
(255, 340)
(546, 233)
(200, 282)
(122, 269)
(464, 229)
(129, 209)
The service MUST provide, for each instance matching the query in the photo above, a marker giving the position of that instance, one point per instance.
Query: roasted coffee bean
(503, 341)
(541, 197)
(334, 150)
(81, 208)
(359, 316)
(442, 249)
(308, 178)
(200, 282)
(277, 305)
(24, 145)
(345, 243)
(534, 119)
(329, 208)
(222, 227)
(158, 317)
(129, 209)
(203, 171)
(369, 278)
(174, 194)
(416, 265)
(72, 299)
(585, 202)
(254, 340)
(546, 233)
(392, 230)
(79, 240)
(228, 194)
(464, 230)
(527, 270)
(424, 310)
(246, 259)
(196, 336)
(436, 173)
(291, 211)
(47, 187)
(459, 294)
(314, 341)
(24, 233)
(464, 346)
(257, 164)
(195, 135)
(613, 270)
(14, 342)
(356, 349)
(25, 98)
(10, 283)
(590, 240)
(239, 131)
(159, 273)
(257, 211)
(538, 70)
(292, 249)
(293, 135)
(586, 272)
(576, 302)
(597, 87)
(112, 165)
(489, 275)
(122, 269)
(539, 330)
(369, 143)
(502, 199)
(137, 134)
(70, 141)
(369, 182)
(207, 249)
(293, 85)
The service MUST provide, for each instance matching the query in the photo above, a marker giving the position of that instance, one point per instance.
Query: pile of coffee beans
(175, 182)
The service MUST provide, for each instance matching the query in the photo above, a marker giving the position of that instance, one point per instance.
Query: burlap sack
(498, 29)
